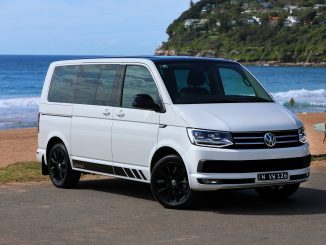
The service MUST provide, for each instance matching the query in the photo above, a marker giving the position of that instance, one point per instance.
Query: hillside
(287, 31)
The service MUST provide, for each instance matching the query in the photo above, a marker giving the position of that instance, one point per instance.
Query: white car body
(123, 142)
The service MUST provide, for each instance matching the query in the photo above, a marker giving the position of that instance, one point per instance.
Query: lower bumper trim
(249, 166)
(225, 181)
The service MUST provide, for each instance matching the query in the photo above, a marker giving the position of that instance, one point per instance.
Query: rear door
(134, 131)
(94, 94)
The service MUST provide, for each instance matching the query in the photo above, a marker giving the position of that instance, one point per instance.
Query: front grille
(250, 166)
(255, 140)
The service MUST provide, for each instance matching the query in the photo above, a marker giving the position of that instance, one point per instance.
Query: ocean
(22, 77)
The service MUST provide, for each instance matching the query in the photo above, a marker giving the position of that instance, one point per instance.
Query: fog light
(210, 181)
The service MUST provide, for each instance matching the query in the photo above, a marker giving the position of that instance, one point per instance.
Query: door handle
(120, 114)
(106, 113)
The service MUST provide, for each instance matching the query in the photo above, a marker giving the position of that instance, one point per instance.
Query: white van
(182, 124)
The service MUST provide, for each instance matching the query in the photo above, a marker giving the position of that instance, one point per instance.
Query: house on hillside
(290, 8)
(318, 6)
(201, 23)
(207, 8)
(254, 21)
(190, 23)
(291, 21)
(266, 5)
(273, 20)
(195, 23)
(235, 1)
(257, 19)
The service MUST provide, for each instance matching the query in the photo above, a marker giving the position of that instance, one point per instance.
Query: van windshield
(197, 82)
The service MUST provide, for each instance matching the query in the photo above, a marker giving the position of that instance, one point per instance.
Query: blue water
(21, 81)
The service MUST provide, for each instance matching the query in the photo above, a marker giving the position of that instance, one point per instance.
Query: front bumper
(243, 180)
(240, 175)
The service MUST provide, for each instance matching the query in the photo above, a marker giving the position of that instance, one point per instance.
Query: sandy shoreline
(20, 144)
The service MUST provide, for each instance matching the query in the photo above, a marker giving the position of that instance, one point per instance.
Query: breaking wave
(20, 102)
(302, 97)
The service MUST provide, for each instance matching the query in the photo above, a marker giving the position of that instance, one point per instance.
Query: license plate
(273, 176)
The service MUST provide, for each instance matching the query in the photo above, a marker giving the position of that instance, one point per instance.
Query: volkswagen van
(180, 124)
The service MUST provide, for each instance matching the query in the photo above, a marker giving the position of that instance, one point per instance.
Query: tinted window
(84, 87)
(61, 85)
(84, 84)
(195, 82)
(138, 80)
(235, 83)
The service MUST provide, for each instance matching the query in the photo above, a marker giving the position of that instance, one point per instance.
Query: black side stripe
(119, 171)
(108, 169)
(136, 173)
(142, 174)
(128, 172)
(93, 167)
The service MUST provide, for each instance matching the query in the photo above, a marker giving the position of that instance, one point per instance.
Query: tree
(191, 3)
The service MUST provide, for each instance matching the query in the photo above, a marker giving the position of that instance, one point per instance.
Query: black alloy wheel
(277, 192)
(60, 171)
(169, 183)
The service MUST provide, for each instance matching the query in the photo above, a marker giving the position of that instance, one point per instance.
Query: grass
(319, 157)
(22, 172)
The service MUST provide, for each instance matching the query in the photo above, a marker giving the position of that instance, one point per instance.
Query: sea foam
(20, 102)
(303, 96)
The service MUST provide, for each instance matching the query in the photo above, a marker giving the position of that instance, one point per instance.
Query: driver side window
(234, 83)
(138, 80)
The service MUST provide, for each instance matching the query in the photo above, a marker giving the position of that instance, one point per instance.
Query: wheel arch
(52, 141)
(160, 153)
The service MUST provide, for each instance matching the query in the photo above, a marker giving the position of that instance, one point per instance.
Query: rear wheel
(60, 171)
(169, 183)
(277, 192)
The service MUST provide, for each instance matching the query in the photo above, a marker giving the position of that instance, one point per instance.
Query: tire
(60, 171)
(277, 192)
(169, 183)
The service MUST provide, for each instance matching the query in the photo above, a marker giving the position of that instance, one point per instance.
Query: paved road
(121, 212)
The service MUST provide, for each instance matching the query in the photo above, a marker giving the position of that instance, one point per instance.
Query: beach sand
(315, 138)
(17, 145)
(20, 144)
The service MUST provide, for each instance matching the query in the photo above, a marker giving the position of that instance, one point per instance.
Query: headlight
(302, 135)
(209, 137)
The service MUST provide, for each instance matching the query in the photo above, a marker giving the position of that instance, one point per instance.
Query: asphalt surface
(114, 211)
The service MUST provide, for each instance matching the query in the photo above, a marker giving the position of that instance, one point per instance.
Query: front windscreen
(196, 82)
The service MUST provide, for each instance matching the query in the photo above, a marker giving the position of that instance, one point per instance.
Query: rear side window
(138, 80)
(61, 85)
(84, 84)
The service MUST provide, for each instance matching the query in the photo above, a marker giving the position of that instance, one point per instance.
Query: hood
(238, 117)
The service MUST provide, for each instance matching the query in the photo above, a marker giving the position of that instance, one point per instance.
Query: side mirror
(145, 101)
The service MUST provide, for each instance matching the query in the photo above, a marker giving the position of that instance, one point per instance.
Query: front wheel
(169, 183)
(277, 192)
(60, 171)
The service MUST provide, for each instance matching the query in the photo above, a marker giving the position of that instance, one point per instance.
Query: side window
(234, 83)
(138, 80)
(84, 88)
(61, 84)
(84, 84)
(107, 78)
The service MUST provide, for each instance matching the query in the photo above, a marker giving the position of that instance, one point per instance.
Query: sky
(79, 27)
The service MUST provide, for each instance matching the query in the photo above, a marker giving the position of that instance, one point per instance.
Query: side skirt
(110, 170)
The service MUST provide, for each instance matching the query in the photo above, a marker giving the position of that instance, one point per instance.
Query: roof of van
(172, 58)
(153, 58)
(183, 58)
